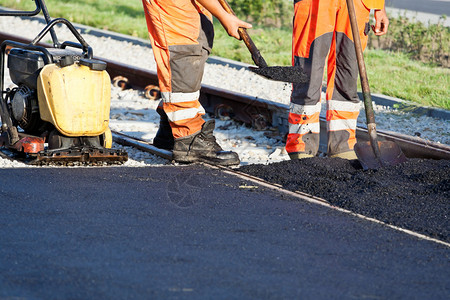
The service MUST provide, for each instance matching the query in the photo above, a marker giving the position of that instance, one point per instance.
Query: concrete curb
(409, 107)
(379, 99)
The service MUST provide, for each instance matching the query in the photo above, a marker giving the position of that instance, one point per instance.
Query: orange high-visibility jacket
(374, 4)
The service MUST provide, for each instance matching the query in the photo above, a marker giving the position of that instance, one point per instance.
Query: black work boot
(203, 147)
(164, 137)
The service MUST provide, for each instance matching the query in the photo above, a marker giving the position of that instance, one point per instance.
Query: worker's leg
(343, 103)
(313, 30)
(182, 36)
(164, 137)
(181, 40)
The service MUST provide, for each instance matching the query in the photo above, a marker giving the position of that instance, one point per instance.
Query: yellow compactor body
(58, 110)
(75, 99)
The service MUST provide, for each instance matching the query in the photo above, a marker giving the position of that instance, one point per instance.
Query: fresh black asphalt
(196, 233)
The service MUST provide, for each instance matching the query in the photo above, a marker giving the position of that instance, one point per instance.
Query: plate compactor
(58, 112)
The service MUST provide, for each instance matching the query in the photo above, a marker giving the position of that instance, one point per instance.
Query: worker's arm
(381, 22)
(230, 22)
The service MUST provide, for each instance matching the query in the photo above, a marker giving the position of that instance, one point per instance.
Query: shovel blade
(390, 155)
(282, 73)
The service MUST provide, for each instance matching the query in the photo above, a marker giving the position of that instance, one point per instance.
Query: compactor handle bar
(87, 50)
(40, 6)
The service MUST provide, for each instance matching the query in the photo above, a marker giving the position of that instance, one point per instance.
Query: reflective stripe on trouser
(181, 33)
(304, 128)
(341, 125)
(322, 28)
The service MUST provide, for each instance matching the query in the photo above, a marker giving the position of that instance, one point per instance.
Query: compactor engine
(58, 110)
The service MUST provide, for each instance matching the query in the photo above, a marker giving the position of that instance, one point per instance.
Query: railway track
(261, 114)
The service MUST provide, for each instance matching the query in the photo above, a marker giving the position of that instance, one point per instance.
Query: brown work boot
(349, 155)
(202, 147)
(164, 137)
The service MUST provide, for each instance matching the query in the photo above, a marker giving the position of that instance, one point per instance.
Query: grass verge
(396, 75)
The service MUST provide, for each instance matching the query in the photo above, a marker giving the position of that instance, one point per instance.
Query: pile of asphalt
(283, 73)
(414, 195)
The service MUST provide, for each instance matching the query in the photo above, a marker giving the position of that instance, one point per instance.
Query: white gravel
(133, 114)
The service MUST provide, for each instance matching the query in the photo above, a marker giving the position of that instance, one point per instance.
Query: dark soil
(283, 73)
(414, 195)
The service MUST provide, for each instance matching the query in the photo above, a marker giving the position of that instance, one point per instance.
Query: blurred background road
(424, 11)
(438, 7)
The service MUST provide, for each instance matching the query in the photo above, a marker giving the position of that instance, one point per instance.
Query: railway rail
(261, 114)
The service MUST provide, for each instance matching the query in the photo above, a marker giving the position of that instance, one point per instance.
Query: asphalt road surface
(196, 233)
(438, 7)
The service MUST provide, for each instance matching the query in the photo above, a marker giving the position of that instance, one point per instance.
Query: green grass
(392, 74)
(124, 16)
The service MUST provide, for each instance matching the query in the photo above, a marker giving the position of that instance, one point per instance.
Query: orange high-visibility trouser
(181, 34)
(322, 28)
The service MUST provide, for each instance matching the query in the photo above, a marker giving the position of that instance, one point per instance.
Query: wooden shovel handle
(370, 116)
(361, 65)
(256, 55)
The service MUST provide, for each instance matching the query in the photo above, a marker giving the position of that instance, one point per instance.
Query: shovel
(278, 73)
(373, 154)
